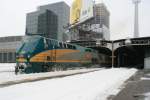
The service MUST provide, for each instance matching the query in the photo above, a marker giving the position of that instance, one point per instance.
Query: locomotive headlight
(28, 56)
(22, 66)
(17, 56)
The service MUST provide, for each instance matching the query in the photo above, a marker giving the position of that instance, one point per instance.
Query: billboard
(81, 10)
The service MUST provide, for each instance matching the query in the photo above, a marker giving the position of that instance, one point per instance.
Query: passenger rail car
(40, 54)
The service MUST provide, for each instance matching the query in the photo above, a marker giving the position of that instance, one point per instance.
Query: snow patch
(147, 96)
(96, 85)
(6, 67)
(147, 74)
(145, 78)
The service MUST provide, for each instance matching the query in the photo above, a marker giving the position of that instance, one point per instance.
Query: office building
(101, 15)
(57, 16)
(100, 23)
(8, 47)
(42, 22)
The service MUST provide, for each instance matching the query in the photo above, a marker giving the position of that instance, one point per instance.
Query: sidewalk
(137, 87)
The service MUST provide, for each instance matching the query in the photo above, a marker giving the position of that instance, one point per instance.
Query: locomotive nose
(23, 58)
(20, 68)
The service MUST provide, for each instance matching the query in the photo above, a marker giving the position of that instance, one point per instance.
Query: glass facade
(47, 24)
(101, 15)
(49, 20)
(8, 57)
(42, 22)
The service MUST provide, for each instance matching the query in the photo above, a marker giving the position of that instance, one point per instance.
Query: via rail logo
(88, 56)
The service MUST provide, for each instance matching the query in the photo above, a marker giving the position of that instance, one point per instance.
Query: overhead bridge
(131, 52)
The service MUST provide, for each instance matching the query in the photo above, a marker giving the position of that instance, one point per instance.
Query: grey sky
(13, 16)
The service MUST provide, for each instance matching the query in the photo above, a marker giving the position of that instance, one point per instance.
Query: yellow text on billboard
(75, 11)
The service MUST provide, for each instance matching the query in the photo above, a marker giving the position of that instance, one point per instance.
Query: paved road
(136, 87)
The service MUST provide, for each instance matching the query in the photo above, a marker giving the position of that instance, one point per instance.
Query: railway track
(18, 79)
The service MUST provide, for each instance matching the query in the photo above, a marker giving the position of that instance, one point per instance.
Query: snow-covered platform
(9, 78)
(7, 67)
(97, 85)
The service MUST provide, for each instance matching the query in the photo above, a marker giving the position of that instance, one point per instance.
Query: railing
(135, 42)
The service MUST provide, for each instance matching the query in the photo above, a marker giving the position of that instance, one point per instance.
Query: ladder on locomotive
(51, 57)
(53, 54)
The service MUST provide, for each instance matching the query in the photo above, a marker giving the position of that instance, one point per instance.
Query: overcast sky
(13, 16)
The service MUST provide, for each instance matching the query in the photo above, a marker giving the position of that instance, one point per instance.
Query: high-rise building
(42, 22)
(49, 20)
(100, 23)
(101, 15)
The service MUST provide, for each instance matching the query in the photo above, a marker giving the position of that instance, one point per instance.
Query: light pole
(112, 55)
(136, 23)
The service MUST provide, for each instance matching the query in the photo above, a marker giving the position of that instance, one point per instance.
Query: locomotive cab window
(69, 46)
(56, 44)
(88, 50)
(65, 46)
(51, 42)
(60, 45)
(74, 47)
(48, 42)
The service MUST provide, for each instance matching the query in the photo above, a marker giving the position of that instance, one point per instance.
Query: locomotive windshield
(29, 44)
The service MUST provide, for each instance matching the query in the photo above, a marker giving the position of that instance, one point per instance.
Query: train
(40, 54)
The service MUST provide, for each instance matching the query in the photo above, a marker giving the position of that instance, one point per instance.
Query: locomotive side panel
(50, 54)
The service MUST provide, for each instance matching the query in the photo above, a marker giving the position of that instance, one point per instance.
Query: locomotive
(40, 54)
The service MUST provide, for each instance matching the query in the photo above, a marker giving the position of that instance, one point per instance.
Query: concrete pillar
(118, 61)
(147, 59)
(14, 57)
(2, 57)
(7, 57)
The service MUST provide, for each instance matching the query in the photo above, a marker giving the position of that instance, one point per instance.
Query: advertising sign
(81, 10)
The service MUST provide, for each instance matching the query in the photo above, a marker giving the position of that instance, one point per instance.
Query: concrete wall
(8, 57)
(8, 46)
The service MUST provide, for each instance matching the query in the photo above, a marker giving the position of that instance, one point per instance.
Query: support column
(7, 57)
(118, 61)
(13, 57)
(112, 54)
(2, 57)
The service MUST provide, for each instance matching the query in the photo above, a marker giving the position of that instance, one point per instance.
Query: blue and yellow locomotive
(40, 54)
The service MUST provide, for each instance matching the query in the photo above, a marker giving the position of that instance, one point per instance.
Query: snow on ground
(96, 85)
(6, 70)
(7, 67)
(145, 78)
(6, 77)
(147, 96)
